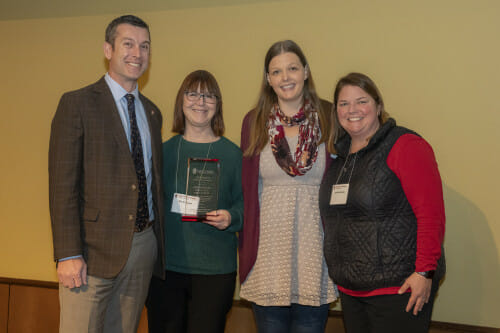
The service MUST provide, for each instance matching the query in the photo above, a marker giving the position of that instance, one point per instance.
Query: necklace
(178, 158)
(344, 168)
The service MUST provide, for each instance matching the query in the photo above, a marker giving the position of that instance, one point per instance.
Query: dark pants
(385, 314)
(190, 303)
(291, 319)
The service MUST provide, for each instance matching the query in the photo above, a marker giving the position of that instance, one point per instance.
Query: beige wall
(436, 63)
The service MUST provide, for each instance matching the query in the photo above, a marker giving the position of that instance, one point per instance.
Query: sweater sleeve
(413, 162)
(236, 209)
(249, 236)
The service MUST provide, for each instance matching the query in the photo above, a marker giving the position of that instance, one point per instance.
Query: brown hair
(364, 82)
(267, 98)
(110, 34)
(207, 83)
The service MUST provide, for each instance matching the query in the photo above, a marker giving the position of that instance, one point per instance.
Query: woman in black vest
(382, 205)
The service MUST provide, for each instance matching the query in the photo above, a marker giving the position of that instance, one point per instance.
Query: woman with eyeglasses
(282, 267)
(201, 264)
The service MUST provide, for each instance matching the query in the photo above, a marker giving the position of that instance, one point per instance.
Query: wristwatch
(427, 274)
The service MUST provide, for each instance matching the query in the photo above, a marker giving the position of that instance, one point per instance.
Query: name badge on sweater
(339, 194)
(185, 204)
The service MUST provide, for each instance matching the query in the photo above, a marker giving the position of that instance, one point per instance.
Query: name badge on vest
(185, 204)
(339, 194)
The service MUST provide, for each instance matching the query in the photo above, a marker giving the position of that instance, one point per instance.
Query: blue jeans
(295, 318)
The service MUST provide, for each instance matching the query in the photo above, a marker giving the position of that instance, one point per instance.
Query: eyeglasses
(194, 96)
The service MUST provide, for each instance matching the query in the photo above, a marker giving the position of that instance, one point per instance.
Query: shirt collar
(117, 90)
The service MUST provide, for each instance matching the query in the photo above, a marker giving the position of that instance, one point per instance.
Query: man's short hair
(125, 19)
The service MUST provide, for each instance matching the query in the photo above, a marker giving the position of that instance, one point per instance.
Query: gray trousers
(111, 305)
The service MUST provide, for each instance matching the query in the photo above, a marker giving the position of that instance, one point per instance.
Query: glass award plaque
(202, 188)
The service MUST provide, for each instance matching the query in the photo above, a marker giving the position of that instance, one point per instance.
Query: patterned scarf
(307, 147)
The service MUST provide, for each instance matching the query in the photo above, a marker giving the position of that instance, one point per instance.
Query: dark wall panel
(33, 309)
(4, 307)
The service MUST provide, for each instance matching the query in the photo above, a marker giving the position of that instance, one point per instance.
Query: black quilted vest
(371, 241)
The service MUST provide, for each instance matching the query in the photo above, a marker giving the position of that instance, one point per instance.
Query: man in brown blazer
(105, 190)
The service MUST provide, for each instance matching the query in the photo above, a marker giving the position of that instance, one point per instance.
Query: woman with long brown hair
(282, 268)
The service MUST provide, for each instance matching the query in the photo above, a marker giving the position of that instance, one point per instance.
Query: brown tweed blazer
(92, 180)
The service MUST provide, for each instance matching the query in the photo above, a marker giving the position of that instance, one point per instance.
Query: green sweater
(196, 247)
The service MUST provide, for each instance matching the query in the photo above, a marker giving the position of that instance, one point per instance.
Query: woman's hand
(420, 291)
(220, 218)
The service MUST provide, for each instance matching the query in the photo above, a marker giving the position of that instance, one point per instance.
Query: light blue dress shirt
(142, 122)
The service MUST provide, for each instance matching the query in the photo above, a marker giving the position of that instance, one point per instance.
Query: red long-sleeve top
(412, 160)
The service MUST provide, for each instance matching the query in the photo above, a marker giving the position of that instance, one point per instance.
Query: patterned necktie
(136, 149)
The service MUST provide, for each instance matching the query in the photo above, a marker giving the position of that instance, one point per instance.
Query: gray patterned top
(290, 266)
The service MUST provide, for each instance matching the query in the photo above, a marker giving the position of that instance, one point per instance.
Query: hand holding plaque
(202, 188)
